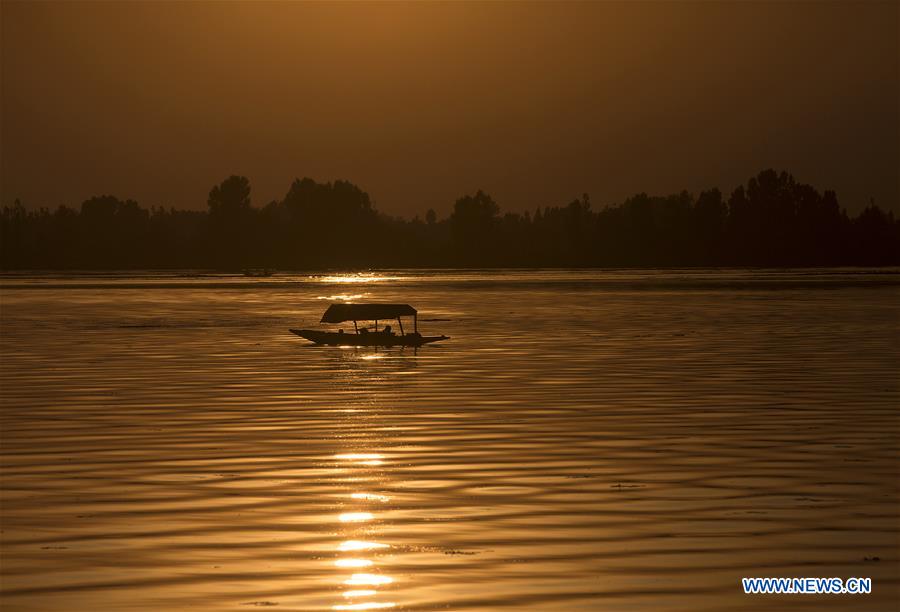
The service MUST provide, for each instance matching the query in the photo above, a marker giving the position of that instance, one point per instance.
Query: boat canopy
(338, 313)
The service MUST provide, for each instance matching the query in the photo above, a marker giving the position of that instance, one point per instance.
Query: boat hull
(369, 339)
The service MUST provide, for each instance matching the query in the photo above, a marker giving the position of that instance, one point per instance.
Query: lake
(617, 440)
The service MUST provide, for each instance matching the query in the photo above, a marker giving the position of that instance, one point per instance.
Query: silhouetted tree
(710, 215)
(771, 221)
(230, 198)
(332, 223)
(474, 224)
(231, 221)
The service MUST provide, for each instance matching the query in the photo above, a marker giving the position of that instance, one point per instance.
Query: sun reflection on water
(362, 458)
(355, 520)
(355, 278)
(354, 545)
(345, 297)
(354, 456)
(353, 562)
(370, 497)
(368, 580)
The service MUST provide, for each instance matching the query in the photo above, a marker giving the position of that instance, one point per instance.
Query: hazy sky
(420, 103)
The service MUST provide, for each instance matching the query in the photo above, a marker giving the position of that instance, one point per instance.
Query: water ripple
(586, 440)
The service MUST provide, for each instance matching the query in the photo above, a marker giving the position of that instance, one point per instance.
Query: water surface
(586, 440)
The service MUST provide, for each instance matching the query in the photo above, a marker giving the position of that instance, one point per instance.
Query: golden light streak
(362, 458)
(355, 278)
(341, 296)
(370, 497)
(355, 517)
(368, 580)
(353, 545)
(353, 563)
(356, 456)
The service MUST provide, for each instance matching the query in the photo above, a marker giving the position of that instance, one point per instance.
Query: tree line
(772, 221)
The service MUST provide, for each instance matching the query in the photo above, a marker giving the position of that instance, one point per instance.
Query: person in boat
(387, 330)
(341, 332)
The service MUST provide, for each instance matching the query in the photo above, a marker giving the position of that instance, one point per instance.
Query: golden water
(584, 441)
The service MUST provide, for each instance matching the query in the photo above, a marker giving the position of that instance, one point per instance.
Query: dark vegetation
(772, 221)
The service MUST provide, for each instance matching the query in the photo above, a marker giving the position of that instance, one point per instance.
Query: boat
(363, 336)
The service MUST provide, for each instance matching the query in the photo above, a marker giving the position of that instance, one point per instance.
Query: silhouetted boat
(339, 313)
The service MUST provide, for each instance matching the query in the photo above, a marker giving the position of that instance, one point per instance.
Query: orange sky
(420, 103)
